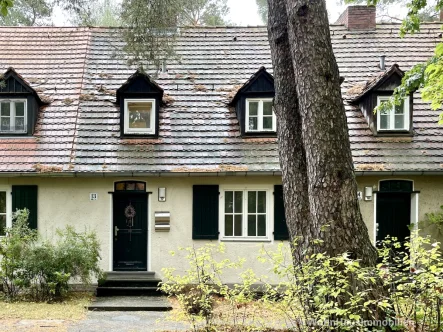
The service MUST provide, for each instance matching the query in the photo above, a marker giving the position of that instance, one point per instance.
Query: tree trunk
(332, 189)
(291, 150)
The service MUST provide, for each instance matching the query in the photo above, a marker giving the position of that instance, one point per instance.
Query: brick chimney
(441, 15)
(358, 18)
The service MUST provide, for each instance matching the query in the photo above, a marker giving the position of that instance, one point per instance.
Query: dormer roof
(359, 91)
(260, 81)
(139, 82)
(15, 83)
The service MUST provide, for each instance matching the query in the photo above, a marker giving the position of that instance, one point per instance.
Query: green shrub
(413, 270)
(196, 288)
(42, 269)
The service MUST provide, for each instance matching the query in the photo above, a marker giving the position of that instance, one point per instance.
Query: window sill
(244, 239)
(394, 133)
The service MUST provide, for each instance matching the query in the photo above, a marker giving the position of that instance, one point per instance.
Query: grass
(72, 308)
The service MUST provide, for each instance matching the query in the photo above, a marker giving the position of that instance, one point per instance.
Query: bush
(319, 293)
(41, 269)
(196, 288)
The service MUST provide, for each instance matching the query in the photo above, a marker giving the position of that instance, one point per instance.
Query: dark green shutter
(205, 212)
(280, 227)
(26, 197)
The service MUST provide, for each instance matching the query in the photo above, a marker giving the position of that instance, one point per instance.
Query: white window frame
(8, 206)
(12, 115)
(269, 213)
(260, 116)
(140, 131)
(406, 113)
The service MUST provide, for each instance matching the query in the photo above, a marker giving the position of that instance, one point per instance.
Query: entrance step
(130, 303)
(129, 284)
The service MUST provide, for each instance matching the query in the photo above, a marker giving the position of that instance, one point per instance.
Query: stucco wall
(65, 201)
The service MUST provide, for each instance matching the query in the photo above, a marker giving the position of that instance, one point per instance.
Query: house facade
(188, 155)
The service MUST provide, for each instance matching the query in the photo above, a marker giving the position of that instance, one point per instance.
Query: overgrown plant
(414, 272)
(323, 293)
(13, 250)
(41, 269)
(434, 219)
(197, 288)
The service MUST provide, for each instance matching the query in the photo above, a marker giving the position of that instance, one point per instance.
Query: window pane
(5, 109)
(253, 123)
(253, 108)
(19, 124)
(238, 206)
(139, 114)
(237, 225)
(228, 225)
(2, 225)
(267, 108)
(2, 202)
(252, 225)
(399, 121)
(384, 121)
(267, 122)
(130, 186)
(120, 186)
(261, 225)
(19, 108)
(140, 186)
(261, 202)
(5, 125)
(252, 201)
(229, 202)
(399, 109)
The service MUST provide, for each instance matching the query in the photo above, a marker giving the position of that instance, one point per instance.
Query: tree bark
(332, 189)
(291, 150)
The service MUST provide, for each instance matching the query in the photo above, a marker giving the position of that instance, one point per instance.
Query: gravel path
(126, 322)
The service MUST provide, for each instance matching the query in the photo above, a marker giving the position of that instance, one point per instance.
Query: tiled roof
(79, 131)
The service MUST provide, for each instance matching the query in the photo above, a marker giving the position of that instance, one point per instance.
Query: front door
(393, 215)
(130, 215)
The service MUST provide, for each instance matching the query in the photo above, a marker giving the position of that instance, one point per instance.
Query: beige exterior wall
(65, 201)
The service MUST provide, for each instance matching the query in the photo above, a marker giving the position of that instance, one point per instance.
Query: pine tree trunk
(332, 188)
(291, 150)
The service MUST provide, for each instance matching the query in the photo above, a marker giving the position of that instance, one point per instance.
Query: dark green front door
(393, 215)
(130, 231)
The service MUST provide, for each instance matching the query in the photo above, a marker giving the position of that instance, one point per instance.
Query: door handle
(116, 229)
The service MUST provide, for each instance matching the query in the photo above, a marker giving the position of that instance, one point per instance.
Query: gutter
(198, 174)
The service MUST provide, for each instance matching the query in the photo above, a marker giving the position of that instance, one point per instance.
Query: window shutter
(280, 227)
(205, 212)
(26, 197)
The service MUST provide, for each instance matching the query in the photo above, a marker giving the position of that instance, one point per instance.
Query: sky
(242, 12)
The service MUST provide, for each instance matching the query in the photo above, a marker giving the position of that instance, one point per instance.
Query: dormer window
(13, 116)
(368, 95)
(253, 104)
(260, 116)
(19, 105)
(139, 116)
(395, 119)
(139, 99)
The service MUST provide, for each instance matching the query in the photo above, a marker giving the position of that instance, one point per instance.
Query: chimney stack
(441, 15)
(358, 18)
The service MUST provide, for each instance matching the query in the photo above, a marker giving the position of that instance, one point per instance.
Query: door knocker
(130, 214)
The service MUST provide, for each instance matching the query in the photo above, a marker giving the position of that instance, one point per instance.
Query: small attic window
(396, 119)
(140, 100)
(13, 116)
(253, 104)
(139, 116)
(259, 115)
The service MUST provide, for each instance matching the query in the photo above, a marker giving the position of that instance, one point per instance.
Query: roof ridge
(85, 61)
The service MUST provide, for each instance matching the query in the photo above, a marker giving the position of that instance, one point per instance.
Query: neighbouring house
(188, 154)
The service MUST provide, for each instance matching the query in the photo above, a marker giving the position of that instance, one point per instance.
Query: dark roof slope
(198, 131)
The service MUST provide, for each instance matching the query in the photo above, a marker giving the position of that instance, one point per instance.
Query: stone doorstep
(130, 303)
